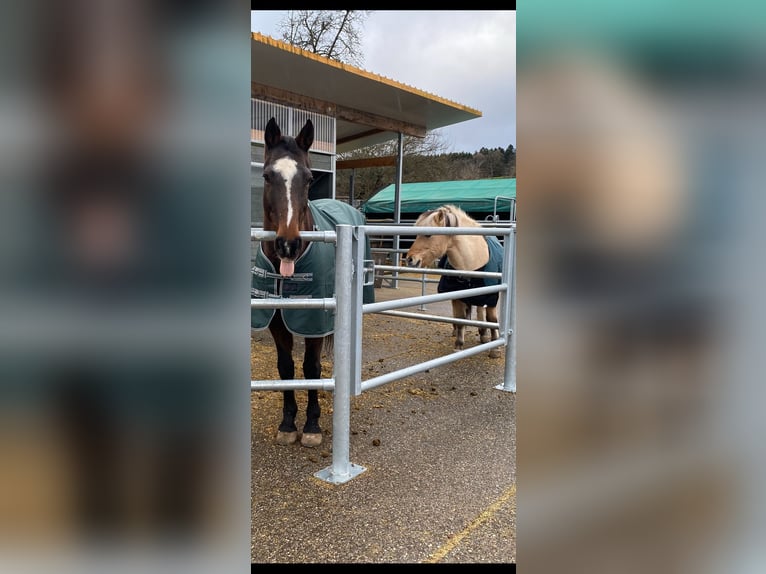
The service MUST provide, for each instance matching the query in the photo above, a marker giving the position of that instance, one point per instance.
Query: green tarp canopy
(471, 195)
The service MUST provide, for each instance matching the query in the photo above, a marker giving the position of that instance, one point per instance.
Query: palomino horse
(466, 252)
(291, 267)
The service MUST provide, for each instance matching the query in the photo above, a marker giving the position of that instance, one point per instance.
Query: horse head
(428, 249)
(287, 177)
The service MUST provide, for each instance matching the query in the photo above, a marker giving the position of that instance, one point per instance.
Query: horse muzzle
(287, 248)
(287, 251)
(413, 261)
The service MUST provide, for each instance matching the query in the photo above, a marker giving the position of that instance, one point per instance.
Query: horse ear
(450, 219)
(306, 137)
(273, 133)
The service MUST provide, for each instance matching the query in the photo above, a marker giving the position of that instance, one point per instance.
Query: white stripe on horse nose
(287, 168)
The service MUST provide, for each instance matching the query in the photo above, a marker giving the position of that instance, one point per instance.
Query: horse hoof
(287, 437)
(495, 353)
(311, 439)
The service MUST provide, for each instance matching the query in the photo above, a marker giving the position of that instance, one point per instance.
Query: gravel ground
(438, 449)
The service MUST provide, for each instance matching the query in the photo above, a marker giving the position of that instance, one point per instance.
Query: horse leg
(492, 318)
(467, 316)
(283, 339)
(481, 315)
(312, 369)
(459, 311)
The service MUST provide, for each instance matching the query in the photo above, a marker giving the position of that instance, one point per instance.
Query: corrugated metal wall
(291, 121)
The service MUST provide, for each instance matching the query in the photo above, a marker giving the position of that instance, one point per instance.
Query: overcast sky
(468, 57)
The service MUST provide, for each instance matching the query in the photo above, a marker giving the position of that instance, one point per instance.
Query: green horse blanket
(449, 283)
(314, 275)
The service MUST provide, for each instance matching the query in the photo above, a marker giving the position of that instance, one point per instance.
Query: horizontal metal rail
(411, 301)
(289, 385)
(440, 271)
(328, 303)
(390, 229)
(415, 279)
(442, 319)
(385, 250)
(409, 223)
(321, 236)
(439, 361)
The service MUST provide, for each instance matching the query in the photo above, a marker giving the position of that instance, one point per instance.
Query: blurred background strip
(641, 130)
(124, 241)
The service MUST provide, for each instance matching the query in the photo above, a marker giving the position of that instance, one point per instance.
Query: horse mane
(462, 218)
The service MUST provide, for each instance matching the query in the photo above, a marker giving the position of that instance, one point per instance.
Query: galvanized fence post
(342, 470)
(508, 323)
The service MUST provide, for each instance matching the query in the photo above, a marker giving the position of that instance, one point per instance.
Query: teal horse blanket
(314, 275)
(449, 283)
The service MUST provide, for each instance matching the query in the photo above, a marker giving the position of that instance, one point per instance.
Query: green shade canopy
(471, 195)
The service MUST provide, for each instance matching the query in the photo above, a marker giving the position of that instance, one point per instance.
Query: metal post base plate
(327, 475)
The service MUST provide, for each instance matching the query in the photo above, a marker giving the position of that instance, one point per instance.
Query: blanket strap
(265, 273)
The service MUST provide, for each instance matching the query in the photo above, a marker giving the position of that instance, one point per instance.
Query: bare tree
(433, 144)
(334, 34)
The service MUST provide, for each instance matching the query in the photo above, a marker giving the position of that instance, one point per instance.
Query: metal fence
(349, 309)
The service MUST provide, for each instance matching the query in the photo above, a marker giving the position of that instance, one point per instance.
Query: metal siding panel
(291, 120)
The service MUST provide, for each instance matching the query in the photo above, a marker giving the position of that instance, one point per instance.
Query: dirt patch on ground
(420, 439)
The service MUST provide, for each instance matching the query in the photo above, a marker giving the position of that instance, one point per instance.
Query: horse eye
(267, 177)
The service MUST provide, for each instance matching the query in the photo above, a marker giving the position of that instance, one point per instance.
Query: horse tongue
(286, 268)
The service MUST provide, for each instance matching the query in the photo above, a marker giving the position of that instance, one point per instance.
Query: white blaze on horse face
(287, 168)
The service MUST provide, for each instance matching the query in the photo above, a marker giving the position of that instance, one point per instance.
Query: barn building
(351, 108)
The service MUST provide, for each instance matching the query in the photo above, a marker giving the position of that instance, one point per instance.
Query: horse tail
(328, 348)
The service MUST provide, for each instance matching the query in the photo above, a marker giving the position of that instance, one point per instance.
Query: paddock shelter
(351, 108)
(492, 199)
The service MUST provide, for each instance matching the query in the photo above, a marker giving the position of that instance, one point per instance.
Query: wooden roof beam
(385, 161)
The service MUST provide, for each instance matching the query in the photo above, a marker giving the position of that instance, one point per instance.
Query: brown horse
(287, 177)
(292, 267)
(467, 252)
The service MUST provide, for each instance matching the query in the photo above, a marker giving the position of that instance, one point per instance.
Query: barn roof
(368, 108)
(471, 195)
